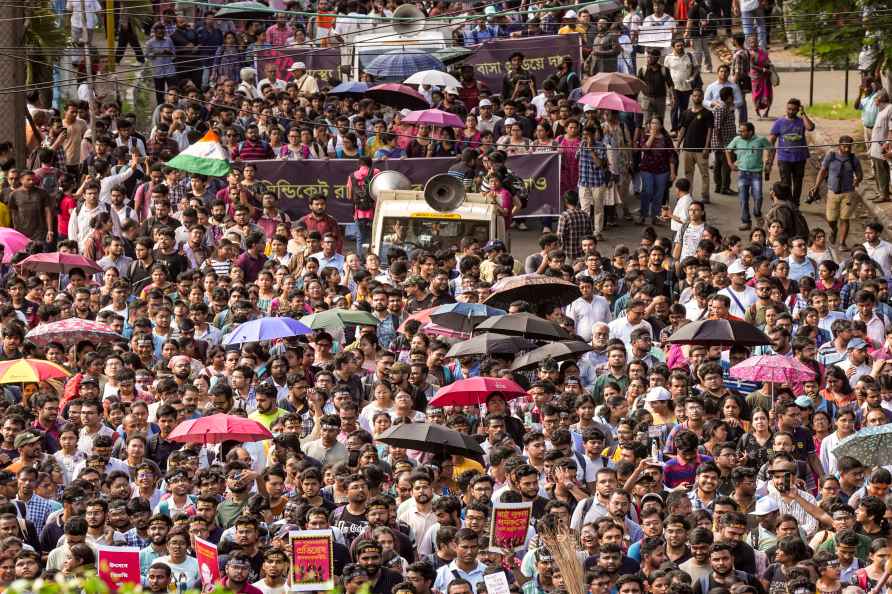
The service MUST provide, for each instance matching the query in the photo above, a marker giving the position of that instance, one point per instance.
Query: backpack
(362, 197)
(800, 225)
(49, 181)
(518, 189)
(834, 156)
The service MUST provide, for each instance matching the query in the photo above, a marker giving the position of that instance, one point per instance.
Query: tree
(44, 41)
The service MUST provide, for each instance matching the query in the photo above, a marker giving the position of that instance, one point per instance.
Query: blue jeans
(749, 184)
(653, 187)
(748, 17)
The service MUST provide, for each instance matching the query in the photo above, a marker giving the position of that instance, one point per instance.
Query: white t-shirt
(744, 299)
(881, 254)
(187, 571)
(681, 211)
(880, 132)
(260, 585)
(656, 31)
(689, 236)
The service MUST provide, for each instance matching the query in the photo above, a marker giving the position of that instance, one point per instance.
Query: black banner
(542, 57)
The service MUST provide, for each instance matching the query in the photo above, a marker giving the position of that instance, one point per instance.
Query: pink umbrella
(397, 95)
(434, 117)
(58, 262)
(772, 368)
(612, 101)
(219, 428)
(475, 391)
(13, 242)
(72, 330)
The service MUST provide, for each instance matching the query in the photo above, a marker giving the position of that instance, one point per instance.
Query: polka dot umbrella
(872, 446)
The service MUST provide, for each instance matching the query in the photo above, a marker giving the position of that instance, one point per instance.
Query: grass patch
(833, 111)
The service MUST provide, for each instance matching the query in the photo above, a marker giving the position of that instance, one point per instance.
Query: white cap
(451, 91)
(765, 506)
(485, 103)
(509, 122)
(297, 66)
(657, 394)
(570, 14)
(589, 108)
(736, 268)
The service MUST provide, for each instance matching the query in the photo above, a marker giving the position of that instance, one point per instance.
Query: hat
(451, 91)
(570, 14)
(765, 506)
(297, 66)
(657, 394)
(179, 359)
(494, 244)
(856, 343)
(89, 380)
(736, 268)
(485, 103)
(25, 438)
(589, 108)
(489, 10)
(509, 122)
(651, 497)
(803, 402)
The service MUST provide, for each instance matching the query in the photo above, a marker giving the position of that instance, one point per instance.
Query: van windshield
(429, 233)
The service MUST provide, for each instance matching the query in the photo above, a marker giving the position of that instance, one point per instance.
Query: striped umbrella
(72, 330)
(24, 371)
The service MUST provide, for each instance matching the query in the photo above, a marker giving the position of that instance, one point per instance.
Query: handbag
(775, 77)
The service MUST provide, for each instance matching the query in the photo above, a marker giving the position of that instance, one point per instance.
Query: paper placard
(509, 525)
(312, 560)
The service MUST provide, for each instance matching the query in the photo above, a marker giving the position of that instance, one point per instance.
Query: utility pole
(12, 70)
(88, 66)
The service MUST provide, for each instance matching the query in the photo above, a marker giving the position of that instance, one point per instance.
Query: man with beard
(319, 220)
(721, 560)
(378, 514)
(139, 512)
(525, 479)
(465, 565)
(159, 526)
(238, 490)
(698, 566)
(158, 578)
(247, 540)
(351, 519)
(98, 532)
(159, 447)
(72, 505)
(268, 411)
(238, 574)
(369, 557)
(439, 289)
(327, 449)
(421, 516)
(589, 510)
(275, 572)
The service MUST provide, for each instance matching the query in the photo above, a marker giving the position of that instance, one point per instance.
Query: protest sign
(542, 57)
(295, 182)
(509, 524)
(118, 566)
(208, 564)
(321, 63)
(497, 583)
(312, 560)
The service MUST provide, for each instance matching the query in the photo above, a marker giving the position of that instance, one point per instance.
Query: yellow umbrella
(20, 371)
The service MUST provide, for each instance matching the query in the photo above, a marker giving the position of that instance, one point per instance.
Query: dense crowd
(674, 477)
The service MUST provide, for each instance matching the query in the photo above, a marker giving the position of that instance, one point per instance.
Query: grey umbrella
(490, 343)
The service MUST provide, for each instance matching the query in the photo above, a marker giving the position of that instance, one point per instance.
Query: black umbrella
(719, 333)
(428, 437)
(490, 343)
(556, 351)
(526, 325)
(535, 288)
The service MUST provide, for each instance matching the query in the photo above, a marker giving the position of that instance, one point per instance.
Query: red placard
(312, 560)
(208, 564)
(118, 566)
(510, 523)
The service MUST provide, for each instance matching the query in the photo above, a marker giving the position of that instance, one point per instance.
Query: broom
(560, 540)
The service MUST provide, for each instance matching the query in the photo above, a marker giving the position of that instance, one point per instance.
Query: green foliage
(43, 38)
(839, 30)
(89, 584)
(834, 111)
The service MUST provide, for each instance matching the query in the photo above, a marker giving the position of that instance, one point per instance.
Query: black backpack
(518, 189)
(362, 197)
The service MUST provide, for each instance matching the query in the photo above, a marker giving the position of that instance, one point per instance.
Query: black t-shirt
(696, 126)
(350, 525)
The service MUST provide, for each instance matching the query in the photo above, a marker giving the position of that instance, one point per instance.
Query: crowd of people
(674, 477)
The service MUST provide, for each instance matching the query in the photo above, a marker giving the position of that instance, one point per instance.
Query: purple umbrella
(265, 329)
(434, 117)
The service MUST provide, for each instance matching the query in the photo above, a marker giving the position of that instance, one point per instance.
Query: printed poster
(509, 524)
(208, 564)
(118, 566)
(312, 560)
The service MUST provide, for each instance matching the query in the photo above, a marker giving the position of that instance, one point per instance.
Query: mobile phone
(788, 482)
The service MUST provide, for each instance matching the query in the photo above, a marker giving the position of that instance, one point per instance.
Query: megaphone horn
(444, 193)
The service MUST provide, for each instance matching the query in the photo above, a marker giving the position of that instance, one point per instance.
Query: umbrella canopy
(428, 437)
(58, 262)
(524, 324)
(13, 242)
(463, 317)
(423, 316)
(265, 329)
(350, 89)
(535, 288)
(434, 117)
(434, 78)
(475, 390)
(432, 329)
(602, 7)
(615, 82)
(718, 333)
(397, 95)
(451, 55)
(872, 446)
(402, 63)
(219, 428)
(556, 351)
(20, 371)
(772, 368)
(336, 319)
(612, 101)
(246, 10)
(490, 343)
(72, 330)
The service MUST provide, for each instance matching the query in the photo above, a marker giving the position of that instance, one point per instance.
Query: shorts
(840, 207)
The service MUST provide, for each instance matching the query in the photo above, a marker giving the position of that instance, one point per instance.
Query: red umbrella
(58, 262)
(72, 330)
(219, 428)
(397, 95)
(475, 391)
(423, 316)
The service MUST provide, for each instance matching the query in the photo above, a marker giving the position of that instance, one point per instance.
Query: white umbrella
(433, 78)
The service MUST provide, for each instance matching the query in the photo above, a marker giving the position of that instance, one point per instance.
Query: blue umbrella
(463, 317)
(350, 89)
(265, 329)
(872, 446)
(402, 63)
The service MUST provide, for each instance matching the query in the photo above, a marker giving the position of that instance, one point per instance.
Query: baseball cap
(570, 14)
(25, 438)
(451, 91)
(297, 66)
(736, 268)
(765, 506)
(494, 244)
(657, 394)
(485, 103)
(652, 497)
(856, 343)
(803, 401)
(509, 122)
(589, 108)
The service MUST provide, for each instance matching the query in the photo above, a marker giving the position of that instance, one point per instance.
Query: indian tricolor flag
(205, 157)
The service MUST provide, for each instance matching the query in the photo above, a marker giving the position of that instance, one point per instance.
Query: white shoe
(521, 226)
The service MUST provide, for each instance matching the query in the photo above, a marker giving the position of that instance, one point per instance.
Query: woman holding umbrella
(422, 144)
(658, 164)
